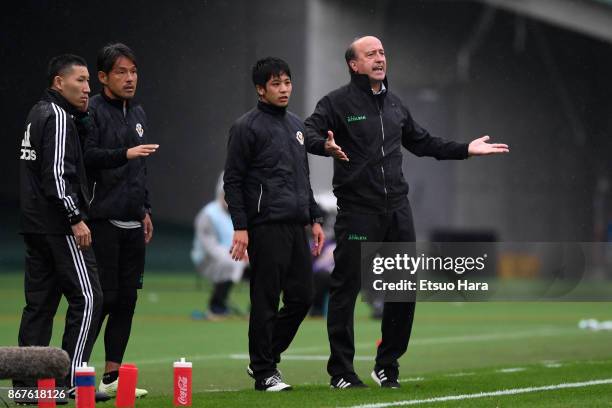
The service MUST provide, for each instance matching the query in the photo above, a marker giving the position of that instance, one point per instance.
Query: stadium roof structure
(589, 17)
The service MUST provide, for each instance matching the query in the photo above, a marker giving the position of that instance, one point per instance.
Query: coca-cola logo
(182, 390)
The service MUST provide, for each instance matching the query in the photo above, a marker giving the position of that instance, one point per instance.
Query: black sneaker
(386, 378)
(346, 381)
(274, 383)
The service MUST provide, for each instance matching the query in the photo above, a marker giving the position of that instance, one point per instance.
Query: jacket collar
(362, 81)
(271, 109)
(117, 103)
(51, 95)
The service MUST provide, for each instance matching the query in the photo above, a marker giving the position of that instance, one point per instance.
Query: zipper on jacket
(93, 194)
(382, 149)
(259, 201)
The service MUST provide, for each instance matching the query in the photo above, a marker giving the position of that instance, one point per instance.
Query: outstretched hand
(480, 147)
(332, 149)
(141, 151)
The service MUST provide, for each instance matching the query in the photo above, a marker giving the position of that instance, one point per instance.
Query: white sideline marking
(221, 390)
(164, 360)
(458, 374)
(413, 379)
(542, 332)
(552, 364)
(511, 370)
(545, 332)
(597, 362)
(512, 391)
(468, 338)
(300, 357)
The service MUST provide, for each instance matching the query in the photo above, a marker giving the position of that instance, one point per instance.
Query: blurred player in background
(211, 253)
(323, 264)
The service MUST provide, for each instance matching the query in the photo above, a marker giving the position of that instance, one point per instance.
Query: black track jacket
(119, 190)
(266, 176)
(371, 130)
(53, 183)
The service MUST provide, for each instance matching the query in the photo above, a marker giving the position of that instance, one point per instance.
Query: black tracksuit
(119, 190)
(54, 196)
(119, 193)
(372, 203)
(266, 176)
(267, 189)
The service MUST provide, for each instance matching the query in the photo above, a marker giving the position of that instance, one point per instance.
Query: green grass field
(457, 351)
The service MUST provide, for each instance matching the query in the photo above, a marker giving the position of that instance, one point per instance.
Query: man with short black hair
(120, 208)
(267, 189)
(54, 197)
(371, 124)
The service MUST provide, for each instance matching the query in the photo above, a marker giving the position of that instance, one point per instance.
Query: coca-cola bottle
(182, 383)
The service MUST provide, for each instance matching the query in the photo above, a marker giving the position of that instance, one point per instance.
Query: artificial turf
(456, 349)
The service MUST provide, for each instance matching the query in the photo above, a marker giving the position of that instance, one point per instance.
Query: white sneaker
(111, 389)
(274, 383)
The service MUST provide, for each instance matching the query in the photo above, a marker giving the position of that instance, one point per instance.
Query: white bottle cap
(182, 363)
(83, 368)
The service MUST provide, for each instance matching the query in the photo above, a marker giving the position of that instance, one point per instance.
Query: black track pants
(54, 266)
(351, 229)
(281, 263)
(121, 258)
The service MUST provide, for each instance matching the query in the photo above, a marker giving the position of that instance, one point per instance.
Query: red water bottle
(46, 391)
(126, 390)
(85, 383)
(182, 383)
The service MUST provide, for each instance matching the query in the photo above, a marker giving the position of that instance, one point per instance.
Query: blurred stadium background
(531, 73)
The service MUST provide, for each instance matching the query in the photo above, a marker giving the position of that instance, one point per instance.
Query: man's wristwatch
(318, 220)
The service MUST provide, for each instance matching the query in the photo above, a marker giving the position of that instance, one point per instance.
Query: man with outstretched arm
(363, 125)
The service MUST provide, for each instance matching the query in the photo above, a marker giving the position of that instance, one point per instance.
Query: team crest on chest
(300, 137)
(139, 129)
